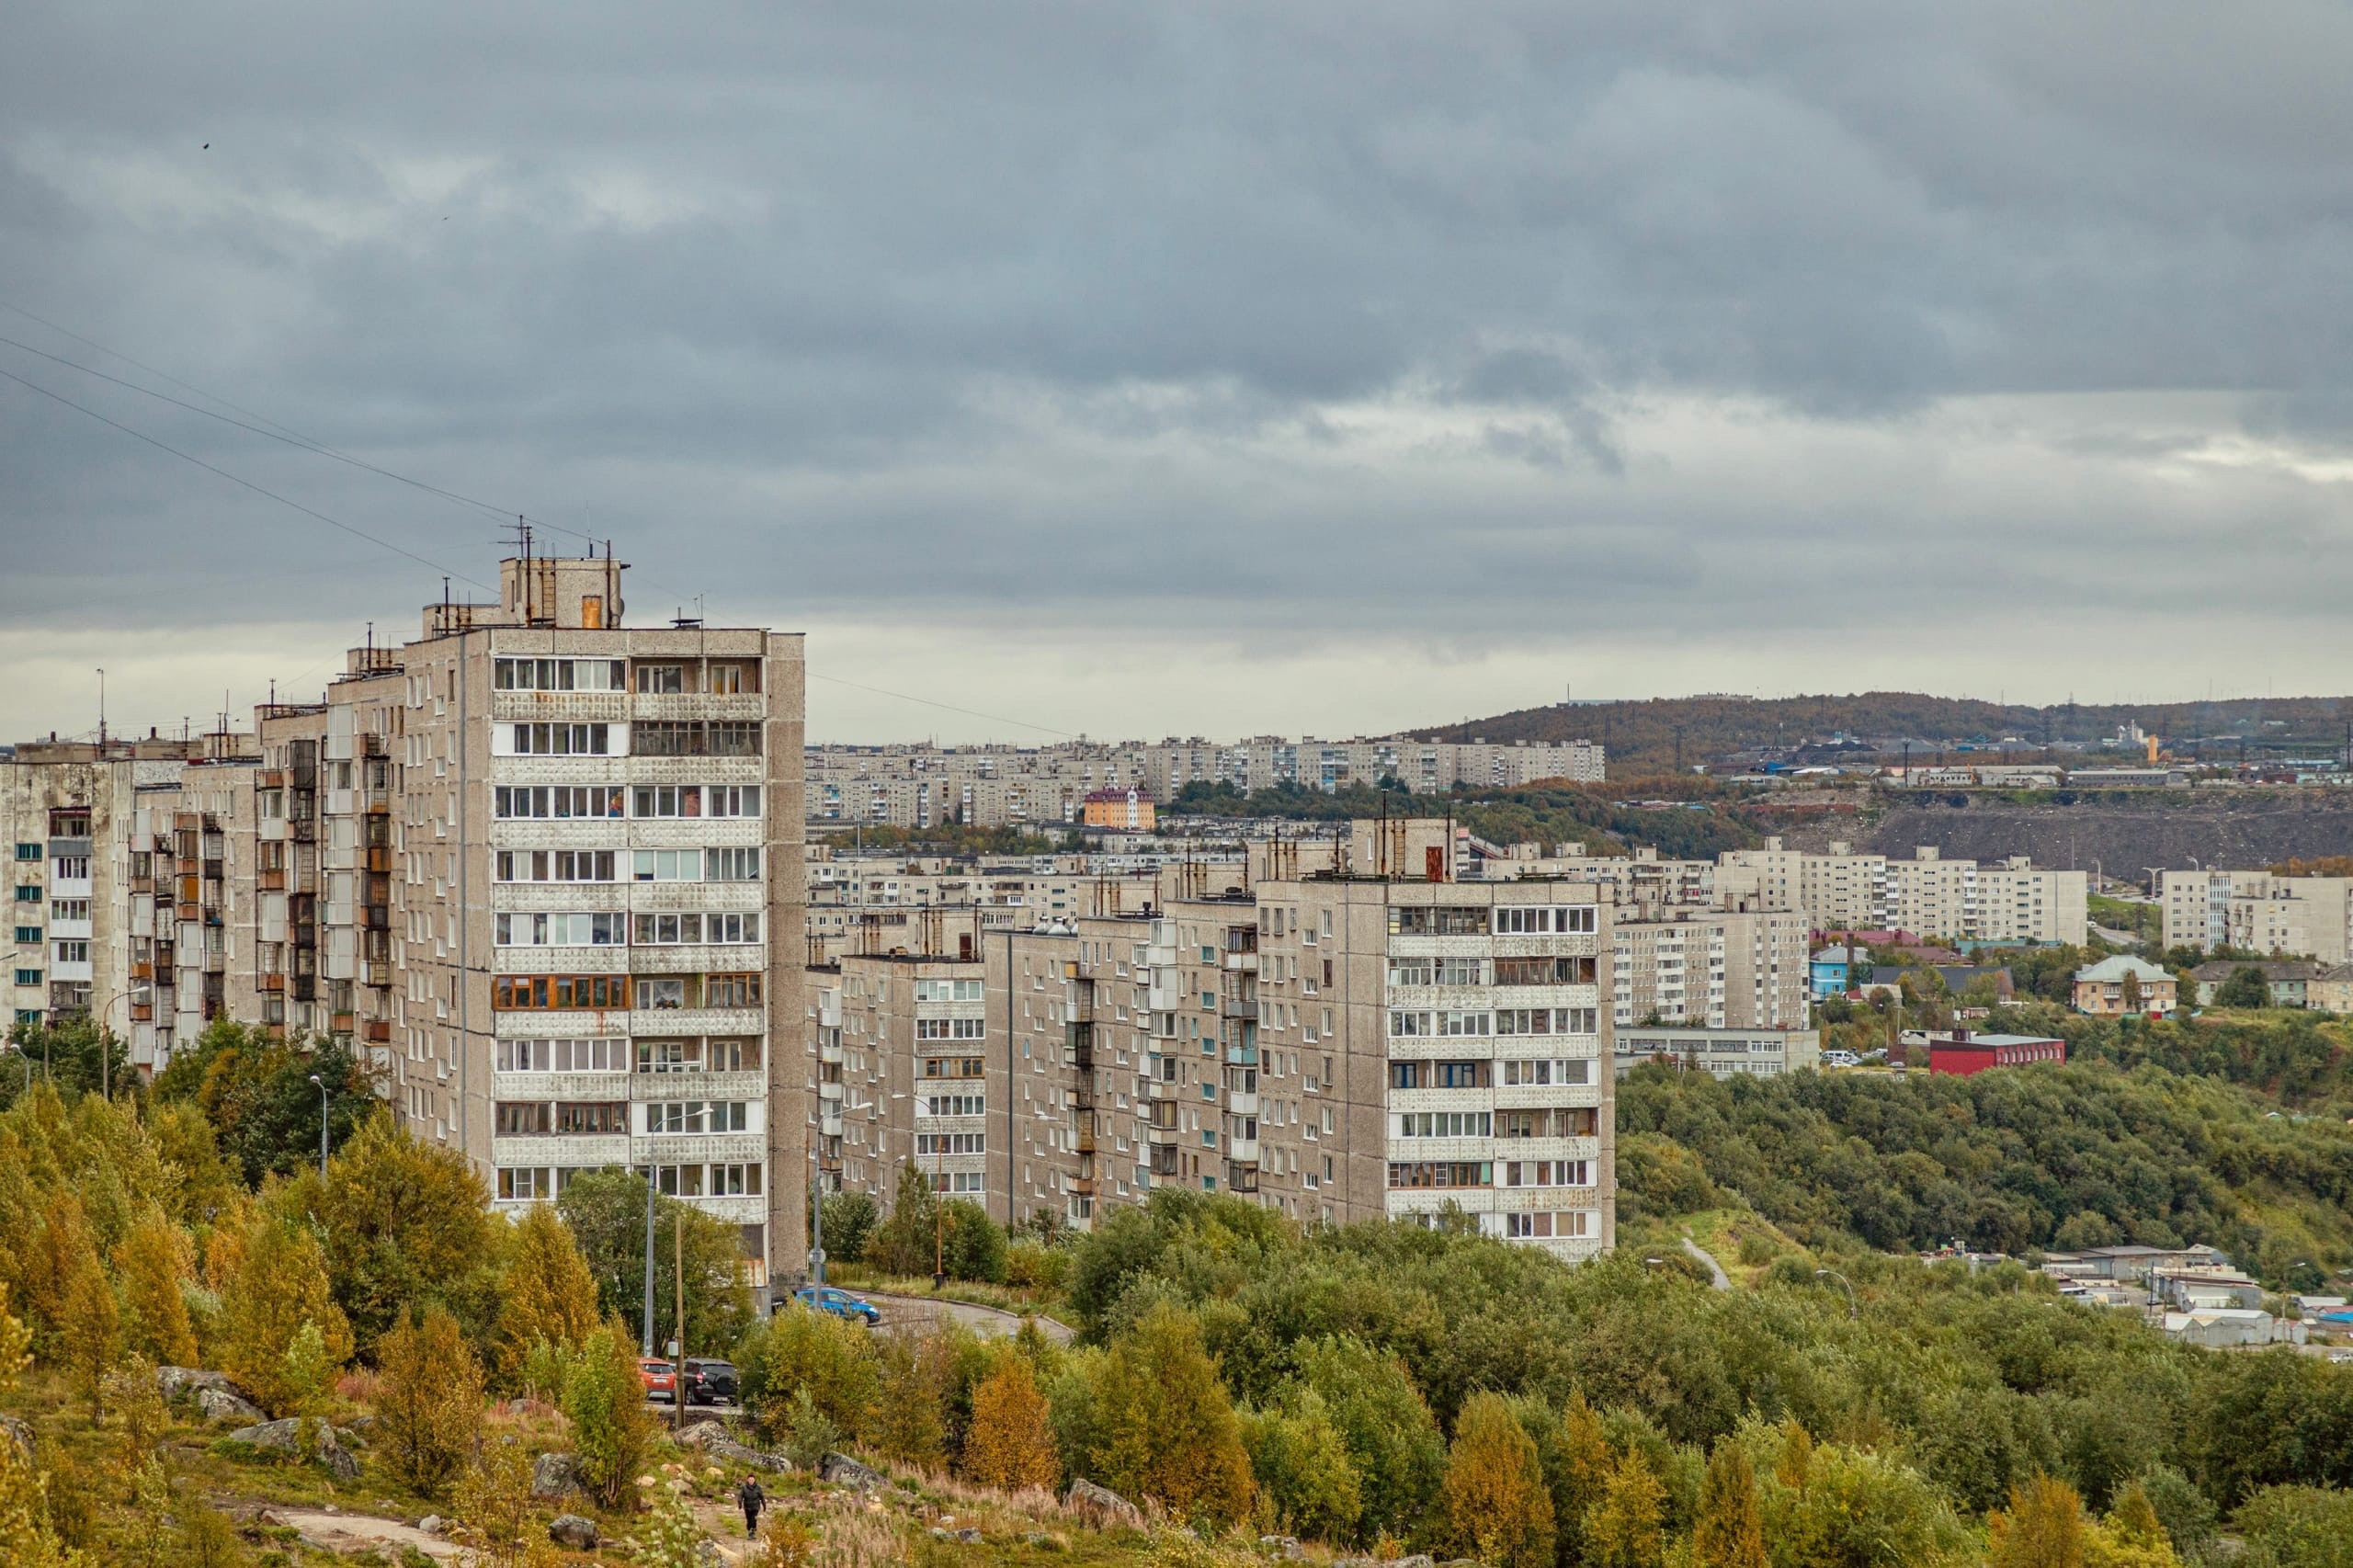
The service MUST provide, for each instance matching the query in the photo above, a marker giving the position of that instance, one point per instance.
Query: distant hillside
(1665, 733)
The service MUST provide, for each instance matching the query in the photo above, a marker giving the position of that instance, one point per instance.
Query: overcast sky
(1201, 368)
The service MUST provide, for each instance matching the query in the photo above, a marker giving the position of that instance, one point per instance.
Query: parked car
(1840, 1059)
(839, 1303)
(713, 1382)
(661, 1378)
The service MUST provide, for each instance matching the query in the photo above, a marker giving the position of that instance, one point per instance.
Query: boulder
(173, 1381)
(1104, 1505)
(844, 1470)
(220, 1408)
(430, 1524)
(554, 1475)
(286, 1438)
(572, 1530)
(712, 1439)
(1282, 1546)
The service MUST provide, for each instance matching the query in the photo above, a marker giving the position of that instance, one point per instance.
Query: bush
(1034, 1266)
(605, 1400)
(428, 1400)
(800, 1351)
(850, 1219)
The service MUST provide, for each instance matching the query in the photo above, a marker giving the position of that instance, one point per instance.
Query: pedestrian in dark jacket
(754, 1500)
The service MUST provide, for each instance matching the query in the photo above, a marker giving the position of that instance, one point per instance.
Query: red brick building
(1962, 1055)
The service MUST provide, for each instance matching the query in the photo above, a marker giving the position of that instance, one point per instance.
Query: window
(1536, 919)
(951, 1142)
(558, 674)
(667, 800)
(1408, 1025)
(732, 991)
(523, 992)
(1436, 921)
(562, 740)
(695, 738)
(951, 1029)
(1544, 972)
(591, 1115)
(563, 1056)
(728, 680)
(28, 851)
(678, 1181)
(952, 1067)
(661, 995)
(669, 1056)
(733, 1181)
(1445, 1124)
(1465, 1024)
(28, 977)
(518, 1118)
(948, 990)
(28, 933)
(29, 894)
(951, 1105)
(69, 909)
(730, 865)
(735, 1055)
(557, 801)
(554, 865)
(696, 1115)
(71, 868)
(661, 680)
(1442, 1174)
(71, 952)
(666, 865)
(590, 930)
(734, 799)
(527, 1183)
(1411, 971)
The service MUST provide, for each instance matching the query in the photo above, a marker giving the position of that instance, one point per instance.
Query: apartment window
(952, 1067)
(661, 680)
(28, 851)
(951, 1029)
(1445, 1124)
(735, 1055)
(1408, 1025)
(69, 909)
(1459, 1023)
(948, 990)
(27, 934)
(678, 1181)
(1544, 972)
(563, 1056)
(28, 977)
(557, 801)
(735, 1181)
(734, 799)
(526, 1183)
(695, 738)
(730, 865)
(951, 1142)
(731, 680)
(951, 1105)
(554, 865)
(696, 1115)
(562, 740)
(1409, 920)
(661, 993)
(1412, 972)
(1439, 1174)
(732, 991)
(668, 801)
(72, 952)
(30, 894)
(588, 930)
(669, 1056)
(558, 674)
(666, 865)
(540, 992)
(591, 1115)
(522, 1119)
(71, 868)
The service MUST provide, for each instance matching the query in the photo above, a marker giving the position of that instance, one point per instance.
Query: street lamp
(1843, 1284)
(321, 1083)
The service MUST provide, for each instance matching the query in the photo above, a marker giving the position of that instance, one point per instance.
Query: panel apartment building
(544, 870)
(1336, 1047)
(2303, 916)
(2013, 902)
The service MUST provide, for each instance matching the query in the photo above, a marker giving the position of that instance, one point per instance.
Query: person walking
(753, 1499)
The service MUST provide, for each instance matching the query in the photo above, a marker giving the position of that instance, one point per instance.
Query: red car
(661, 1378)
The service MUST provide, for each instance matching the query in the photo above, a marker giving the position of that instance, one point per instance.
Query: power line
(968, 712)
(249, 484)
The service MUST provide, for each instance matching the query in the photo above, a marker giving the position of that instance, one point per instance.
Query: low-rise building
(2287, 982)
(1963, 1055)
(2230, 1328)
(1724, 1054)
(2121, 986)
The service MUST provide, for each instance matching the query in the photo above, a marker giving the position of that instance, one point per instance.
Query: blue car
(838, 1303)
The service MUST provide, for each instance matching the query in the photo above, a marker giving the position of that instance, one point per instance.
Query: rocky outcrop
(844, 1470)
(573, 1531)
(1102, 1505)
(714, 1439)
(554, 1475)
(220, 1407)
(17, 1432)
(173, 1381)
(286, 1438)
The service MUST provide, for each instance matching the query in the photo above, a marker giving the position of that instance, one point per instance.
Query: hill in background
(1670, 734)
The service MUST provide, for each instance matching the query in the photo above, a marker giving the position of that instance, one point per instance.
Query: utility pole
(649, 1258)
(679, 1359)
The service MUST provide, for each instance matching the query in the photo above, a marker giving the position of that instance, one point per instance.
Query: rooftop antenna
(102, 707)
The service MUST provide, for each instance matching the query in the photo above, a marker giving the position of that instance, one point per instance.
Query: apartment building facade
(2013, 902)
(541, 870)
(1711, 969)
(2303, 916)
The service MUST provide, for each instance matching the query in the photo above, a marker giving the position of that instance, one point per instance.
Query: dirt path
(899, 1311)
(357, 1532)
(1717, 1276)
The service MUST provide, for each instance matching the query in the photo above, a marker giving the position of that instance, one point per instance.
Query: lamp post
(321, 1083)
(649, 1257)
(1843, 1284)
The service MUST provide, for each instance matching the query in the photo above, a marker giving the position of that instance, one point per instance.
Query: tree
(908, 1242)
(1728, 1532)
(2129, 992)
(910, 1420)
(550, 1295)
(2043, 1528)
(1497, 1504)
(976, 1247)
(605, 1400)
(1303, 1469)
(1625, 1531)
(1010, 1444)
(428, 1403)
(257, 1094)
(800, 1350)
(280, 1286)
(404, 1222)
(2245, 988)
(1165, 1429)
(607, 1212)
(850, 1219)
(1393, 1441)
(89, 1327)
(151, 1262)
(497, 1516)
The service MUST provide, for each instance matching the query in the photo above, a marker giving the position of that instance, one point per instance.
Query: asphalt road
(905, 1312)
(1717, 1276)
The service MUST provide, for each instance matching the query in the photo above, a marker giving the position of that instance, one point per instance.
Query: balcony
(268, 981)
(829, 1126)
(142, 969)
(1242, 963)
(340, 1023)
(272, 881)
(1164, 1137)
(1241, 1102)
(379, 977)
(834, 1092)
(380, 1031)
(1242, 1150)
(1238, 1007)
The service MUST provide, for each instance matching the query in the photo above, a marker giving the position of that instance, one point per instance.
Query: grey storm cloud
(1177, 312)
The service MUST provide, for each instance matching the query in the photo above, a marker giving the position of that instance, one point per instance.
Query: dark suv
(710, 1382)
